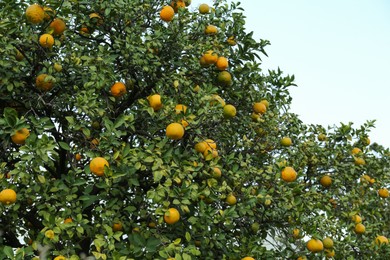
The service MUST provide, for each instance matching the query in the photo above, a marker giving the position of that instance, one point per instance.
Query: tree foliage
(64, 209)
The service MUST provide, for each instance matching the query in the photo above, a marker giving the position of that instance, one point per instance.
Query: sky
(339, 52)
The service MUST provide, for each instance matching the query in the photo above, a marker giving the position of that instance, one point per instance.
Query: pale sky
(339, 52)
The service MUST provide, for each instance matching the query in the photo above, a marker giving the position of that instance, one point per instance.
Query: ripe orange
(231, 41)
(211, 30)
(20, 136)
(200, 147)
(171, 216)
(286, 141)
(314, 245)
(176, 4)
(49, 234)
(329, 253)
(155, 101)
(211, 143)
(68, 220)
(35, 14)
(8, 196)
(265, 102)
(231, 199)
(289, 174)
(167, 13)
(60, 257)
(224, 78)
(355, 151)
(58, 26)
(217, 173)
(44, 82)
(210, 57)
(46, 40)
(210, 153)
(77, 157)
(204, 8)
(229, 111)
(328, 243)
(296, 233)
(356, 218)
(247, 258)
(175, 131)
(383, 193)
(117, 226)
(359, 161)
(180, 108)
(259, 108)
(184, 123)
(97, 166)
(360, 228)
(381, 240)
(118, 89)
(222, 63)
(326, 181)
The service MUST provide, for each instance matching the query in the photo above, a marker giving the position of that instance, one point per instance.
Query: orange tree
(147, 129)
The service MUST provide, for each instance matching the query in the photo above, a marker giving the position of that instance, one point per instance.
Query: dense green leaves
(125, 41)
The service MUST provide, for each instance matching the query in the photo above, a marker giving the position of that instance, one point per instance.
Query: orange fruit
(210, 57)
(155, 102)
(184, 123)
(176, 4)
(49, 234)
(296, 233)
(355, 151)
(329, 253)
(286, 141)
(180, 108)
(8, 196)
(314, 245)
(171, 216)
(366, 141)
(77, 157)
(211, 30)
(97, 166)
(96, 19)
(175, 131)
(118, 89)
(200, 147)
(229, 111)
(211, 143)
(360, 228)
(328, 243)
(231, 41)
(326, 181)
(217, 173)
(259, 108)
(35, 14)
(356, 218)
(58, 26)
(68, 220)
(44, 82)
(381, 240)
(46, 40)
(359, 161)
(265, 102)
(117, 226)
(289, 174)
(231, 199)
(247, 258)
(20, 136)
(203, 62)
(19, 56)
(167, 13)
(84, 30)
(224, 78)
(383, 193)
(321, 137)
(222, 63)
(302, 258)
(210, 153)
(204, 8)
(60, 257)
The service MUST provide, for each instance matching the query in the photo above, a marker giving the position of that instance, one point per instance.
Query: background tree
(147, 129)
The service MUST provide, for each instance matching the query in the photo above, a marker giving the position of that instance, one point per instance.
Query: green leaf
(8, 252)
(10, 116)
(64, 146)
